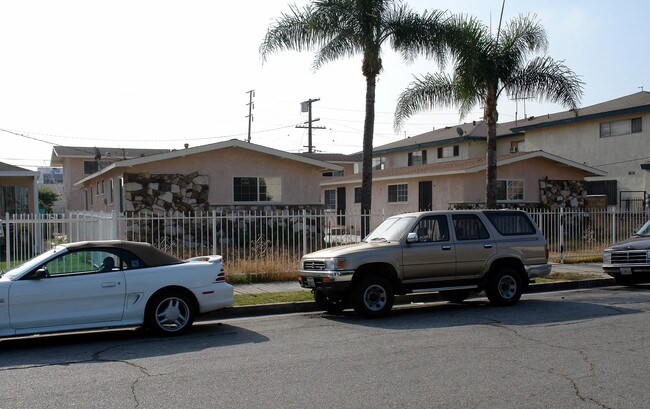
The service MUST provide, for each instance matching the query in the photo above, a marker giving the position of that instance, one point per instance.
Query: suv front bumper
(334, 280)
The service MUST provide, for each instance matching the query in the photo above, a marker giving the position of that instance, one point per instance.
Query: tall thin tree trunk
(366, 177)
(491, 117)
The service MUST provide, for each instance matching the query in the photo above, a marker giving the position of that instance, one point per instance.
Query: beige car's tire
(504, 287)
(373, 297)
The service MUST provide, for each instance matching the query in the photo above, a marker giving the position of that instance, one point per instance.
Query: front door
(340, 206)
(425, 196)
(432, 257)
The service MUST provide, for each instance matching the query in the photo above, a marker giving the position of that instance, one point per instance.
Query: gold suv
(452, 252)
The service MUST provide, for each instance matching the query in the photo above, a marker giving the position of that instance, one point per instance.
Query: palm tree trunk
(366, 177)
(491, 116)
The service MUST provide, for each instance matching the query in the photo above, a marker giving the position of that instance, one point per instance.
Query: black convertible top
(151, 256)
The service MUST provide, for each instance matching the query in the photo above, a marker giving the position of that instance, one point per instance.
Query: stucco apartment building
(605, 145)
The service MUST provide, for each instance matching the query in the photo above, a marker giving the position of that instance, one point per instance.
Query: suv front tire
(373, 297)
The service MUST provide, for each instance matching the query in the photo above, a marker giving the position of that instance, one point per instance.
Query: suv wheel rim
(375, 297)
(507, 287)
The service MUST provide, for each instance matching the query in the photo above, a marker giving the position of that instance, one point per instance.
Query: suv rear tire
(504, 287)
(373, 297)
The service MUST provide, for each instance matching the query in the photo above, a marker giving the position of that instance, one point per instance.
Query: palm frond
(548, 80)
(425, 93)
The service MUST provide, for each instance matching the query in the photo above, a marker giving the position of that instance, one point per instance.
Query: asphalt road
(572, 349)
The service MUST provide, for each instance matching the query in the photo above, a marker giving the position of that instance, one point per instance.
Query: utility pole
(306, 107)
(250, 104)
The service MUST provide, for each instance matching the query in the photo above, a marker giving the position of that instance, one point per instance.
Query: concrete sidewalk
(276, 287)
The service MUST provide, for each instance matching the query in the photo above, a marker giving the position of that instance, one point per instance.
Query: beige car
(453, 252)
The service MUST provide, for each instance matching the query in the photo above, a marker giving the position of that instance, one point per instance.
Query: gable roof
(472, 131)
(60, 152)
(11, 170)
(634, 103)
(334, 157)
(459, 167)
(233, 143)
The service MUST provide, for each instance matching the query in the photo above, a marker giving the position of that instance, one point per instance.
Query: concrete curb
(310, 306)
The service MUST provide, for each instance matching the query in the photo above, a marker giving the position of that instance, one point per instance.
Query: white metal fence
(273, 242)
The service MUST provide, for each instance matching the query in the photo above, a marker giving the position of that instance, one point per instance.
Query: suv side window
(432, 229)
(469, 227)
(510, 223)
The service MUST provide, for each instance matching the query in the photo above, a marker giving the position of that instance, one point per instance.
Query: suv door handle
(446, 247)
(487, 246)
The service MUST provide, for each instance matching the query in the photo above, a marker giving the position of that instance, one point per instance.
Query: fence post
(7, 241)
(613, 225)
(304, 231)
(114, 220)
(561, 235)
(214, 232)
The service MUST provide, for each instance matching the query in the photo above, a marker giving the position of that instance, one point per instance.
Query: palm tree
(336, 29)
(485, 66)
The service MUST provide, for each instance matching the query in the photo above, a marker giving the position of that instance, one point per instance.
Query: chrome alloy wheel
(172, 314)
(375, 297)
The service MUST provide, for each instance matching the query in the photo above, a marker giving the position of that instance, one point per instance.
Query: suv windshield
(391, 229)
(645, 230)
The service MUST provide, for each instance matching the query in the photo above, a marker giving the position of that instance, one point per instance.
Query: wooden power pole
(306, 107)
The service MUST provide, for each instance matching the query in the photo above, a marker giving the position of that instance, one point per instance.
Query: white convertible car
(113, 283)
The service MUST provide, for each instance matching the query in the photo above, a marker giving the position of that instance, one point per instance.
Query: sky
(162, 74)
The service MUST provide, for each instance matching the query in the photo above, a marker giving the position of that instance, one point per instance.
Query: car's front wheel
(373, 297)
(504, 287)
(170, 313)
(332, 303)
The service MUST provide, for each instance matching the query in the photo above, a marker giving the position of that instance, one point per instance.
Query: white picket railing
(273, 242)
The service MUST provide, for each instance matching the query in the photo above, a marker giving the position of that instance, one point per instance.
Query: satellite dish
(459, 131)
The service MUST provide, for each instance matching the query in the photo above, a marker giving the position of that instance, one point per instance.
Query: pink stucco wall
(299, 180)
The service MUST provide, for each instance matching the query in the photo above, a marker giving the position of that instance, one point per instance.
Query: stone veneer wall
(170, 194)
(562, 193)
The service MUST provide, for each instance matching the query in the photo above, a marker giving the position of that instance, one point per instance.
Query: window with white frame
(517, 146)
(398, 193)
(257, 189)
(448, 151)
(417, 158)
(332, 173)
(378, 163)
(510, 190)
(622, 127)
(330, 198)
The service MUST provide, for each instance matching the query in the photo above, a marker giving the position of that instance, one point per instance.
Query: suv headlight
(607, 257)
(334, 263)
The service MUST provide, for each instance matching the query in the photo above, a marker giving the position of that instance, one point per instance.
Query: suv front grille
(315, 265)
(629, 257)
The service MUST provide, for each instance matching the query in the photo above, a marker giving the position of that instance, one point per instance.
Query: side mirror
(411, 238)
(38, 274)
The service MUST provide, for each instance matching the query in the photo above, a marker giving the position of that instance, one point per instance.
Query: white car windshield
(30, 264)
(645, 230)
(391, 229)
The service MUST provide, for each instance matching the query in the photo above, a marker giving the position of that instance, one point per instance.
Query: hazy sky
(144, 73)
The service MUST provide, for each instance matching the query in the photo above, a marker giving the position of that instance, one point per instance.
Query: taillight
(221, 277)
